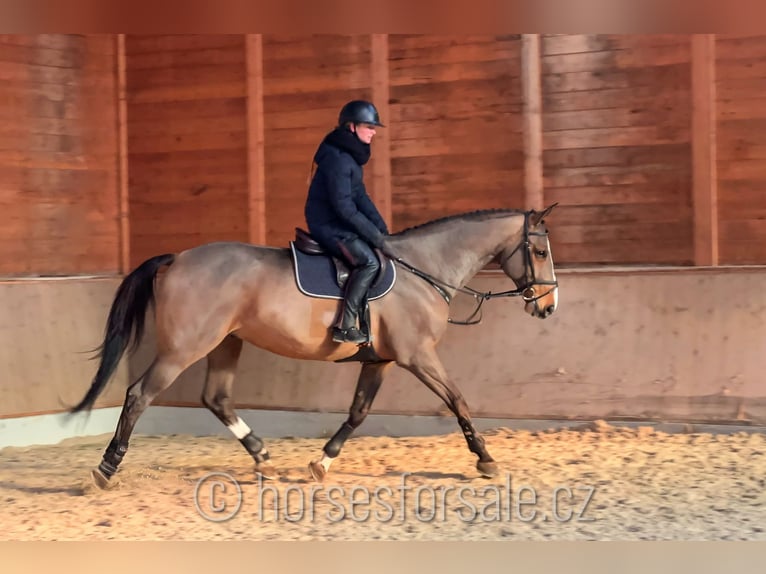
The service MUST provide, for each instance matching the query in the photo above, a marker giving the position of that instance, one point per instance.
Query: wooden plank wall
(455, 126)
(58, 155)
(306, 80)
(187, 141)
(221, 130)
(617, 147)
(618, 144)
(741, 138)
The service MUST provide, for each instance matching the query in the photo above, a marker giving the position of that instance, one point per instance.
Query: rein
(526, 291)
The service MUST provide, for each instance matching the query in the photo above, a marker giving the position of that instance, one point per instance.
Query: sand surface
(598, 483)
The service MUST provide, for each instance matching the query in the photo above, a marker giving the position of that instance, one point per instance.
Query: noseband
(526, 291)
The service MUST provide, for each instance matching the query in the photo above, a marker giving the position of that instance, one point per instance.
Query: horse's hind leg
(160, 375)
(367, 387)
(216, 396)
(428, 368)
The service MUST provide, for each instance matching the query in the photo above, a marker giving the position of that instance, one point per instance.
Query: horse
(210, 299)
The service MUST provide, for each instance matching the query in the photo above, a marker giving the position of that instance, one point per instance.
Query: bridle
(526, 291)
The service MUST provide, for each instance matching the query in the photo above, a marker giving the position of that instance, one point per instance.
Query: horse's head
(529, 264)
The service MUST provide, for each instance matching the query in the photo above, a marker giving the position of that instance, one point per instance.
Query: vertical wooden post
(703, 141)
(123, 206)
(381, 154)
(532, 105)
(256, 177)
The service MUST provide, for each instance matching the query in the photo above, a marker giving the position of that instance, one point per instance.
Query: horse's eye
(541, 253)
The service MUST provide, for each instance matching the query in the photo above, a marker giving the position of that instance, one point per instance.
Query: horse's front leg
(427, 367)
(367, 387)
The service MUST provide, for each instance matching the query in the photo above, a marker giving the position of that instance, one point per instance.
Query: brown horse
(215, 296)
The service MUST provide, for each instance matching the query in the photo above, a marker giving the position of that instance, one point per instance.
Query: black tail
(126, 321)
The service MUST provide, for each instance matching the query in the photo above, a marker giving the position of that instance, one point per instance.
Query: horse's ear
(538, 216)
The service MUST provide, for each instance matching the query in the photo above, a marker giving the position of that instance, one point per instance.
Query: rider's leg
(365, 268)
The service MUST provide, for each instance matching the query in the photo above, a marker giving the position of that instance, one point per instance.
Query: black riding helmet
(359, 112)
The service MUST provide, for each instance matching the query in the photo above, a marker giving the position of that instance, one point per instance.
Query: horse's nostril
(549, 309)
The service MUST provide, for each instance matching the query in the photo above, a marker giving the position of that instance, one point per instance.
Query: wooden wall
(113, 149)
(451, 106)
(617, 147)
(186, 141)
(455, 125)
(116, 148)
(58, 155)
(740, 68)
(222, 130)
(306, 79)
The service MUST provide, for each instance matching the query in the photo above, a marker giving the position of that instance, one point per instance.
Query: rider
(340, 214)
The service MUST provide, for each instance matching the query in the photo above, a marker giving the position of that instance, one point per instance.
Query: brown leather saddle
(308, 245)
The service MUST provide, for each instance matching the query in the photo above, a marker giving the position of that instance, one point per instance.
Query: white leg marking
(239, 429)
(326, 462)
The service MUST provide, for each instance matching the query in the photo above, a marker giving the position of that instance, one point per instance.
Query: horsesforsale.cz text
(221, 498)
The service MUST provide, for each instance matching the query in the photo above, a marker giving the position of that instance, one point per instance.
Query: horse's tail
(126, 321)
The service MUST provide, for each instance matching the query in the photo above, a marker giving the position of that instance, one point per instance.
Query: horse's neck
(455, 255)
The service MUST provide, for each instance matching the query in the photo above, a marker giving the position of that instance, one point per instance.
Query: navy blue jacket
(338, 207)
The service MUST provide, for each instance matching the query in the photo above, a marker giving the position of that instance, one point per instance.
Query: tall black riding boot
(365, 268)
(358, 284)
(347, 330)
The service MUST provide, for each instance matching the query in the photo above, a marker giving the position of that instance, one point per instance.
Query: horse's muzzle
(540, 312)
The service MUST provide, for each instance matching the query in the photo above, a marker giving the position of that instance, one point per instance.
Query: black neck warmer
(347, 141)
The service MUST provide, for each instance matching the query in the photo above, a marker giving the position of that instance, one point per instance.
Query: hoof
(487, 469)
(100, 479)
(266, 470)
(317, 471)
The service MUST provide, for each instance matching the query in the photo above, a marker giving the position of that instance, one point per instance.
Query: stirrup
(350, 335)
